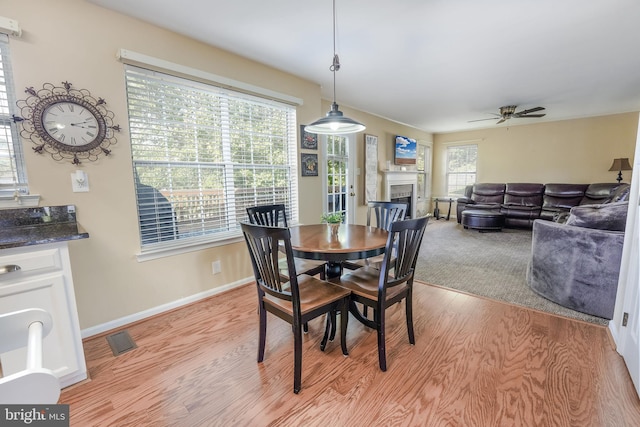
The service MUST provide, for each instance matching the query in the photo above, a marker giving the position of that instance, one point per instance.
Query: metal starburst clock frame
(67, 123)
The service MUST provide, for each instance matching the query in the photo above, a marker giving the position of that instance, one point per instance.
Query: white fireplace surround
(392, 178)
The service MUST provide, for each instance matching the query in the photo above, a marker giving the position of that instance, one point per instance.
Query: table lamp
(620, 165)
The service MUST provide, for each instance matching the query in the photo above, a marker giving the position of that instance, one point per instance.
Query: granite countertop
(36, 226)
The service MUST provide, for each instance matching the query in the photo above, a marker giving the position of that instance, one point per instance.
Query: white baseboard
(98, 329)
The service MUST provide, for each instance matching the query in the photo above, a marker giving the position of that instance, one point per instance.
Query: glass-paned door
(340, 193)
(423, 165)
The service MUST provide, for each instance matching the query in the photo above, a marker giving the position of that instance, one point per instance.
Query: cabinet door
(62, 349)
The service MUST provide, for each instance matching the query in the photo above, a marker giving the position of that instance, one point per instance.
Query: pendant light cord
(335, 66)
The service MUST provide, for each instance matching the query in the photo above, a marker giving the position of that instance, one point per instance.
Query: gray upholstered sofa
(577, 263)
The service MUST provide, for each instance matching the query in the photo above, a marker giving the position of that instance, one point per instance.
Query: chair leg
(382, 353)
(262, 332)
(409, 311)
(327, 329)
(297, 358)
(305, 327)
(344, 319)
(334, 322)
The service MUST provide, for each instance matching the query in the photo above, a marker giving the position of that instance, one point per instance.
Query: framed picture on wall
(406, 151)
(308, 141)
(309, 164)
(370, 168)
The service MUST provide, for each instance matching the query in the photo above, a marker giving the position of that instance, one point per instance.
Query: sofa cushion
(488, 193)
(607, 216)
(523, 194)
(564, 196)
(598, 193)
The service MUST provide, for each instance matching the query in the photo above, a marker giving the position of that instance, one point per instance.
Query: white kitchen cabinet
(44, 281)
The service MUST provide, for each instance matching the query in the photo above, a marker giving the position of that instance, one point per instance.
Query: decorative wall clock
(67, 123)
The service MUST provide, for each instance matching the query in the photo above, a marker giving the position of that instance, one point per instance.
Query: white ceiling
(432, 64)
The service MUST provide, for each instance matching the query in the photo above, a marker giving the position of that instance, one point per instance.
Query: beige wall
(571, 151)
(72, 40)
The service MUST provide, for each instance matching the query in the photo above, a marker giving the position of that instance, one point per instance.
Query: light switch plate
(79, 182)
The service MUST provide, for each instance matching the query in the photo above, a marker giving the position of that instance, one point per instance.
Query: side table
(436, 210)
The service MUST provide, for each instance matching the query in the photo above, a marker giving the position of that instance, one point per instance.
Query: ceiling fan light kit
(509, 111)
(334, 123)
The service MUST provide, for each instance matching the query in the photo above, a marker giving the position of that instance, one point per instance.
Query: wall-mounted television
(406, 149)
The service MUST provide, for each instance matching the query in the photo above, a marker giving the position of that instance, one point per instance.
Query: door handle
(352, 194)
(4, 269)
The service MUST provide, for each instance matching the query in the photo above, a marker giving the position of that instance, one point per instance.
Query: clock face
(66, 123)
(71, 124)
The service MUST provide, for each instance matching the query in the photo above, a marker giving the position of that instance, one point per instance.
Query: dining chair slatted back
(276, 216)
(393, 282)
(271, 215)
(283, 299)
(264, 249)
(384, 213)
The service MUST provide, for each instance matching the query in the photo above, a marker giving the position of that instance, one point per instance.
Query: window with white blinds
(13, 180)
(462, 162)
(202, 155)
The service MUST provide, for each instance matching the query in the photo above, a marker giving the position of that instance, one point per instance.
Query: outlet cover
(216, 267)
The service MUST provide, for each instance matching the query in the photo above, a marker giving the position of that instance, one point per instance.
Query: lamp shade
(620, 165)
(334, 123)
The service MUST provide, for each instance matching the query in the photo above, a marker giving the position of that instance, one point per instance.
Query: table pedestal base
(333, 269)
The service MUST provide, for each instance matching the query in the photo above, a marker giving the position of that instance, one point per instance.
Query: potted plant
(333, 219)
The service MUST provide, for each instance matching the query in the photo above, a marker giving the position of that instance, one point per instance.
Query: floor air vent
(121, 342)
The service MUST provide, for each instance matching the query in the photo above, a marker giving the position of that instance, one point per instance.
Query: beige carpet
(491, 265)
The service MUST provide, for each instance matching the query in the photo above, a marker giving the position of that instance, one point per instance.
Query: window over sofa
(461, 168)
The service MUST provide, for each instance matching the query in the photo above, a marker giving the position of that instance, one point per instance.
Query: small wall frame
(308, 141)
(370, 168)
(309, 164)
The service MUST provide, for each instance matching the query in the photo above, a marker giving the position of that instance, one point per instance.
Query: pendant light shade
(334, 123)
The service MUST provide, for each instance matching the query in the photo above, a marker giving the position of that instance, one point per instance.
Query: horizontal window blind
(203, 154)
(12, 169)
(461, 168)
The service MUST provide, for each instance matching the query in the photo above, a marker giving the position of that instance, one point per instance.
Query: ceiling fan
(509, 111)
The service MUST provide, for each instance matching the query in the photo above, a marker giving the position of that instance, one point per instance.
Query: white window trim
(141, 60)
(164, 250)
(17, 199)
(448, 145)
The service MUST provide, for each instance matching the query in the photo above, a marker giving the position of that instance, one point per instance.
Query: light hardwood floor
(476, 362)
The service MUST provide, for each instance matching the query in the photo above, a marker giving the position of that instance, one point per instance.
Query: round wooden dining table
(352, 241)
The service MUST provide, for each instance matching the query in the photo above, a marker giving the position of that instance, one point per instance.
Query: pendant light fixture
(334, 123)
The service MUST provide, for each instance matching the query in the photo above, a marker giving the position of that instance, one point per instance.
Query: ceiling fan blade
(479, 120)
(531, 115)
(530, 110)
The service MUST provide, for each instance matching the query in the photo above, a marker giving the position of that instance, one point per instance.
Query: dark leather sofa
(523, 203)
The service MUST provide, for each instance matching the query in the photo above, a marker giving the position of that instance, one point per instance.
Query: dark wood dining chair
(276, 216)
(385, 213)
(382, 288)
(297, 301)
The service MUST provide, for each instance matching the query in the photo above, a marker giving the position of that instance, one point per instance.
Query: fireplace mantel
(392, 178)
